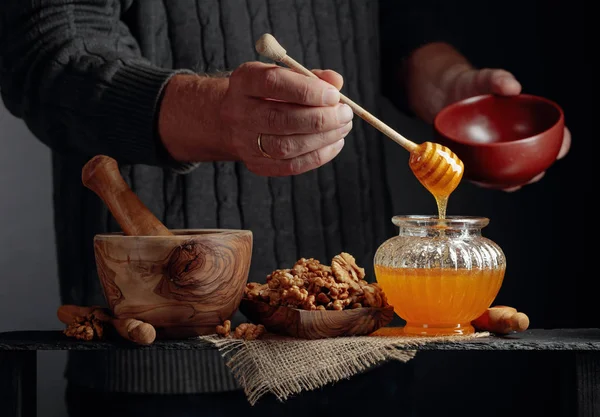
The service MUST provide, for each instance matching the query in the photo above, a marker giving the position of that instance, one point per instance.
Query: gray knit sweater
(86, 77)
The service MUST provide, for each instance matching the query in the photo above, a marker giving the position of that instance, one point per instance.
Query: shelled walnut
(88, 327)
(224, 329)
(310, 285)
(247, 331)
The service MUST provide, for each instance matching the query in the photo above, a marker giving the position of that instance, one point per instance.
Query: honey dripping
(439, 170)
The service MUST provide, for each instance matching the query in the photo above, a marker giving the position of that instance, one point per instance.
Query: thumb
(501, 82)
(475, 82)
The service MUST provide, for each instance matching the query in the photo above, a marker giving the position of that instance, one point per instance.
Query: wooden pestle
(133, 330)
(101, 175)
(501, 320)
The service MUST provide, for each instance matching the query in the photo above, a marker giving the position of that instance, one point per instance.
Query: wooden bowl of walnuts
(312, 300)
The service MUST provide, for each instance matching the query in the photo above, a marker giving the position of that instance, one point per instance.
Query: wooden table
(18, 360)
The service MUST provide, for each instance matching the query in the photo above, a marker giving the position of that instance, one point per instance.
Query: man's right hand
(299, 119)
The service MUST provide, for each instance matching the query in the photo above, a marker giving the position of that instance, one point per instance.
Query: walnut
(224, 329)
(280, 278)
(87, 328)
(304, 265)
(98, 329)
(328, 286)
(273, 297)
(310, 285)
(253, 290)
(310, 303)
(79, 331)
(249, 331)
(338, 305)
(300, 267)
(346, 271)
(295, 296)
(255, 332)
(322, 298)
(374, 296)
(339, 291)
(309, 269)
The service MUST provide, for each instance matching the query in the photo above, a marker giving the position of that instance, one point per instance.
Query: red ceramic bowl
(503, 141)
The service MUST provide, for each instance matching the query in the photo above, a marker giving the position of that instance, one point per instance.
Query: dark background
(546, 229)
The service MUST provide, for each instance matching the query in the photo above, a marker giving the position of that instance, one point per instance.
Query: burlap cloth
(285, 366)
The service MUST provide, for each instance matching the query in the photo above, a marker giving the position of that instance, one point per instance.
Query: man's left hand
(473, 82)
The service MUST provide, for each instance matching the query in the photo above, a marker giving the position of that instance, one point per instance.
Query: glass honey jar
(439, 274)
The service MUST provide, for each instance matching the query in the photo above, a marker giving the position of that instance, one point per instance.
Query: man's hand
(299, 119)
(436, 75)
(472, 82)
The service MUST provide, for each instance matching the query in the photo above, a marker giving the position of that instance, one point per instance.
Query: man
(260, 148)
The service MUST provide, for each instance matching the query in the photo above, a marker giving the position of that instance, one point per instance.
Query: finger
(531, 181)
(298, 165)
(260, 80)
(331, 77)
(486, 81)
(276, 118)
(511, 189)
(566, 144)
(495, 187)
(537, 178)
(291, 146)
(503, 83)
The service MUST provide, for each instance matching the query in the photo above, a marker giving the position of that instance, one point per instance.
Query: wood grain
(317, 324)
(184, 282)
(101, 175)
(184, 285)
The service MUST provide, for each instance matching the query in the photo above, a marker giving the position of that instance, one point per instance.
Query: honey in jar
(439, 274)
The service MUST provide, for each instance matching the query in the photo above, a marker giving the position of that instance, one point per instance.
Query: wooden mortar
(183, 282)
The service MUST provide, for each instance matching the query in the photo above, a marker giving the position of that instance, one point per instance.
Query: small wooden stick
(133, 330)
(501, 320)
(268, 47)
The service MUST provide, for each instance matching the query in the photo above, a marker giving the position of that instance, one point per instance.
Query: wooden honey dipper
(501, 320)
(101, 175)
(133, 330)
(434, 165)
